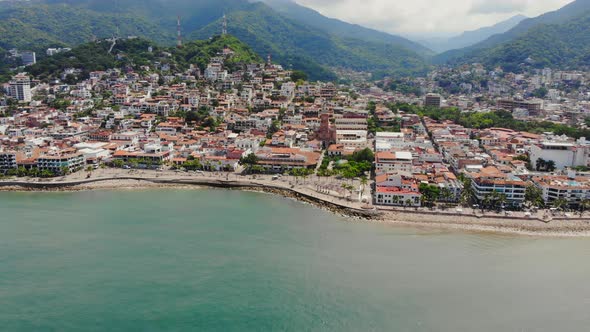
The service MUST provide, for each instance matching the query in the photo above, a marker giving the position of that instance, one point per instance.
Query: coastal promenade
(131, 179)
(314, 191)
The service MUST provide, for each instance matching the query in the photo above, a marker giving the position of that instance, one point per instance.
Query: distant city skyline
(430, 18)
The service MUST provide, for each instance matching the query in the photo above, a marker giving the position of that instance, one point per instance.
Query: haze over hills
(564, 46)
(311, 43)
(473, 37)
(308, 16)
(527, 30)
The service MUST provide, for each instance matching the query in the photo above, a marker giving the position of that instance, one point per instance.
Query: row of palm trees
(533, 199)
(37, 173)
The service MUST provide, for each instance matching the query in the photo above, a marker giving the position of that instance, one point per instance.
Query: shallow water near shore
(211, 260)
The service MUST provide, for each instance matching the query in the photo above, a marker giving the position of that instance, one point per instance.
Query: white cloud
(429, 17)
(498, 6)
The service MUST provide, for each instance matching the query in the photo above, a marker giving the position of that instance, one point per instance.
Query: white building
(20, 88)
(395, 190)
(489, 180)
(564, 154)
(352, 138)
(351, 123)
(288, 89)
(571, 188)
(385, 141)
(393, 162)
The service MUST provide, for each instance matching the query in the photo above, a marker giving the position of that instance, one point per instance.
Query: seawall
(212, 183)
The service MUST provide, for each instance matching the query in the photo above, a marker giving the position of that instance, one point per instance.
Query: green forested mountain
(303, 47)
(312, 18)
(565, 46)
(163, 13)
(200, 52)
(37, 24)
(95, 56)
(524, 40)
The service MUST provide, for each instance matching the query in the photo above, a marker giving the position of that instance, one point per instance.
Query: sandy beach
(471, 221)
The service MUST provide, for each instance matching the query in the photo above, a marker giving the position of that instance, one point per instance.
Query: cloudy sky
(428, 18)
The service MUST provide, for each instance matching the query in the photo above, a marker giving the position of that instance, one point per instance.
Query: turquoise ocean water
(215, 260)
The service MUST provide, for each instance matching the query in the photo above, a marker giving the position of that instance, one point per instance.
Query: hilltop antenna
(117, 19)
(224, 25)
(179, 40)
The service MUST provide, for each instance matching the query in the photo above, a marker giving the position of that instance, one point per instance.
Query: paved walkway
(308, 187)
(321, 188)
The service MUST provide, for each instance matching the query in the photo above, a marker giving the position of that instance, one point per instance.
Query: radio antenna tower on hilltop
(179, 40)
(224, 26)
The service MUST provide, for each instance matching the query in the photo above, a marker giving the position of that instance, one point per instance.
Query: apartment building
(352, 138)
(388, 162)
(490, 179)
(278, 160)
(571, 188)
(7, 161)
(57, 163)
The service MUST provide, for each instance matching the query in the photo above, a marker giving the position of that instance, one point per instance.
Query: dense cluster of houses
(496, 162)
(215, 117)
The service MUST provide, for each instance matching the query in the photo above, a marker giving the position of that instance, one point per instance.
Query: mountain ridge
(561, 15)
(316, 52)
(309, 16)
(472, 37)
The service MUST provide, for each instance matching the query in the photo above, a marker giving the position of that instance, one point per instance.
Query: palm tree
(408, 202)
(134, 163)
(344, 186)
(534, 196)
(364, 182)
(540, 164)
(467, 195)
(348, 187)
(584, 206)
(486, 201)
(21, 171)
(423, 200)
(502, 200)
(560, 203)
(446, 194)
(64, 170)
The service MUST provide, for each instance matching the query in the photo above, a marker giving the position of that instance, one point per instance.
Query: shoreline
(404, 218)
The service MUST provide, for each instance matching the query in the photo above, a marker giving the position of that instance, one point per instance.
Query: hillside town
(261, 119)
